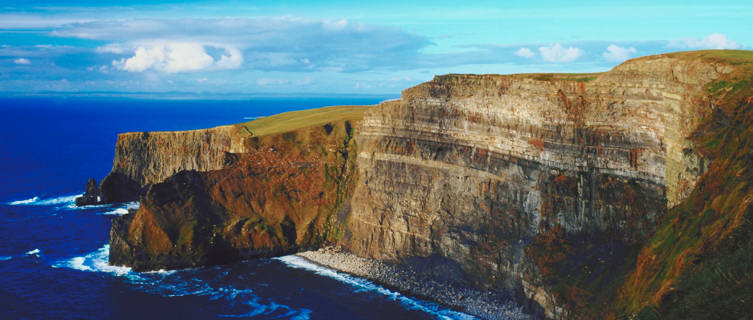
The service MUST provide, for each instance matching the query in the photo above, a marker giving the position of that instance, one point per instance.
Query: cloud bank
(263, 43)
(284, 53)
(525, 53)
(558, 53)
(618, 54)
(178, 57)
(712, 41)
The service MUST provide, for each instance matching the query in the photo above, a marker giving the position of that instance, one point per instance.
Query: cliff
(524, 179)
(592, 195)
(144, 158)
(282, 195)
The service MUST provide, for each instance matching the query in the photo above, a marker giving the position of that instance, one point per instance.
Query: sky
(337, 47)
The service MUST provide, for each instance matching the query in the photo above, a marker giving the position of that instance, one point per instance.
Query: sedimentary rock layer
(281, 196)
(545, 185)
(476, 168)
(144, 158)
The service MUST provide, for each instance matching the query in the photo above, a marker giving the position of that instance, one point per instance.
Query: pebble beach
(483, 304)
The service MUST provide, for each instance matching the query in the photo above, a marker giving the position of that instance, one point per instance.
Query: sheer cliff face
(150, 157)
(549, 185)
(281, 196)
(489, 170)
(145, 158)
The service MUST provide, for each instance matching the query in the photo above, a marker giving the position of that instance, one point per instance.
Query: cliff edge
(284, 194)
(607, 195)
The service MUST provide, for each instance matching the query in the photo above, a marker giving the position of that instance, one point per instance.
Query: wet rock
(91, 196)
(118, 187)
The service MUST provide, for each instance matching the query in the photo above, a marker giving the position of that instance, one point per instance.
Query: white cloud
(558, 53)
(117, 48)
(262, 43)
(336, 25)
(176, 57)
(362, 85)
(617, 53)
(271, 82)
(712, 41)
(22, 61)
(525, 53)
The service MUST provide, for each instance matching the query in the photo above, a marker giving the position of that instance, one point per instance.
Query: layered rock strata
(282, 196)
(488, 170)
(546, 186)
(144, 158)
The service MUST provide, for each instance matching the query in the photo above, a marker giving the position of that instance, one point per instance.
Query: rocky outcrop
(90, 196)
(118, 187)
(144, 158)
(285, 195)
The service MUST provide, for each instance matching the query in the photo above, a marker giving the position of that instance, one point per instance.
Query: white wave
(36, 201)
(34, 252)
(96, 261)
(161, 272)
(23, 202)
(5, 258)
(297, 262)
(117, 212)
(58, 200)
(253, 118)
(123, 209)
(187, 282)
(73, 206)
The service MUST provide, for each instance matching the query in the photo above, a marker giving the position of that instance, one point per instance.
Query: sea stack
(91, 196)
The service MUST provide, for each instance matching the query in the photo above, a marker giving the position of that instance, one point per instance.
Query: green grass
(732, 57)
(702, 252)
(578, 77)
(290, 121)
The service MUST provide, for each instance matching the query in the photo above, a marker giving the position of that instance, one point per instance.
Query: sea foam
(203, 282)
(297, 262)
(96, 261)
(23, 202)
(123, 209)
(36, 201)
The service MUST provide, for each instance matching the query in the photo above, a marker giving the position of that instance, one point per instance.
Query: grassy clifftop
(697, 264)
(282, 195)
(290, 121)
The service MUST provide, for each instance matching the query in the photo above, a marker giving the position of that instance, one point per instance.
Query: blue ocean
(53, 256)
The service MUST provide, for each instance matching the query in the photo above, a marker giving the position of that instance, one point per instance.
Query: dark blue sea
(53, 256)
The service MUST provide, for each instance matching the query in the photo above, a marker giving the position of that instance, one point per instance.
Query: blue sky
(337, 47)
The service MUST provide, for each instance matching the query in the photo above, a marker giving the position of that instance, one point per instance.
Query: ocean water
(53, 256)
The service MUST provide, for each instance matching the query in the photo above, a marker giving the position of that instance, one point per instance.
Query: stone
(91, 195)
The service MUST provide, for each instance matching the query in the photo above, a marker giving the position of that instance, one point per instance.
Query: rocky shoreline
(483, 304)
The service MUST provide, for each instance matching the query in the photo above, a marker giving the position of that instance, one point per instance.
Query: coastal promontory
(622, 194)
